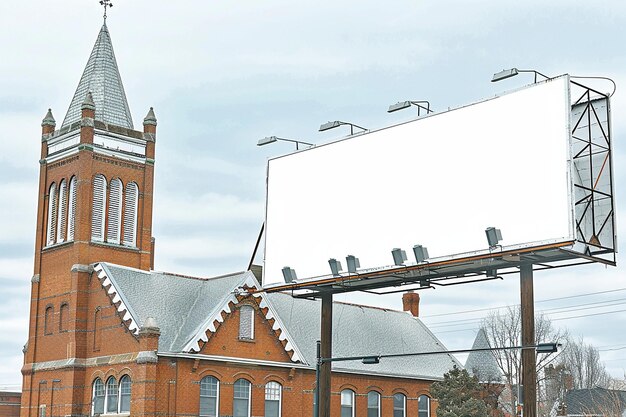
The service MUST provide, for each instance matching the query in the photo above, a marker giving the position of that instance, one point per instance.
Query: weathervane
(106, 3)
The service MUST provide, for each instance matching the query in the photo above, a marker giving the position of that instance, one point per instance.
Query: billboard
(510, 162)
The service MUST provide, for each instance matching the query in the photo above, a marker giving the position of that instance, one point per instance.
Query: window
(241, 400)
(62, 210)
(125, 388)
(347, 403)
(42, 411)
(423, 406)
(399, 405)
(97, 402)
(52, 214)
(273, 391)
(209, 396)
(111, 396)
(47, 320)
(130, 214)
(64, 312)
(246, 322)
(98, 208)
(373, 404)
(71, 210)
(115, 211)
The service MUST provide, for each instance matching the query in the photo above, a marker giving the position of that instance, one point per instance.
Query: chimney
(411, 303)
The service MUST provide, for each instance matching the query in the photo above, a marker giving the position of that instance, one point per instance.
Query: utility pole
(529, 357)
(323, 391)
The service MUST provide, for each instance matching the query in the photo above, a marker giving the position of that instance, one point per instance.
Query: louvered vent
(115, 211)
(52, 214)
(71, 214)
(99, 204)
(61, 221)
(130, 214)
(246, 322)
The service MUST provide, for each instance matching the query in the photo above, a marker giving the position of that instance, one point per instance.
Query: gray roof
(596, 401)
(183, 308)
(483, 363)
(102, 78)
(179, 304)
(361, 330)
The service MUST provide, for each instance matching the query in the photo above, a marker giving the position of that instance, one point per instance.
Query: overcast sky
(223, 74)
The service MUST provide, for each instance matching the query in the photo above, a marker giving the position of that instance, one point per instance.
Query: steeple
(102, 78)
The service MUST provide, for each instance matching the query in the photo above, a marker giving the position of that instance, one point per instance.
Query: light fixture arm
(271, 139)
(535, 72)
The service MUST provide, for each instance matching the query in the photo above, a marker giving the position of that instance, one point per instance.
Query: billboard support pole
(325, 352)
(529, 357)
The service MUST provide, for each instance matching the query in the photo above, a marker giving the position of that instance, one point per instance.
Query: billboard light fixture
(399, 256)
(335, 266)
(508, 73)
(271, 139)
(546, 347)
(289, 274)
(331, 125)
(494, 236)
(421, 253)
(424, 283)
(401, 105)
(353, 263)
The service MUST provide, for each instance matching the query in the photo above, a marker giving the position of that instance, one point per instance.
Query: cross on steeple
(106, 3)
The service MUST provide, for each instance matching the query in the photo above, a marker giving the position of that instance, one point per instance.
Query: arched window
(52, 214)
(423, 406)
(373, 404)
(241, 398)
(97, 397)
(399, 405)
(125, 388)
(209, 396)
(98, 208)
(246, 322)
(115, 211)
(64, 315)
(131, 198)
(111, 396)
(47, 320)
(61, 221)
(347, 403)
(71, 210)
(273, 394)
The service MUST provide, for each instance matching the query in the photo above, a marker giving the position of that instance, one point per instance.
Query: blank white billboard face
(438, 181)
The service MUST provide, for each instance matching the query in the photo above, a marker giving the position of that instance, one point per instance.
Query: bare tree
(504, 329)
(582, 361)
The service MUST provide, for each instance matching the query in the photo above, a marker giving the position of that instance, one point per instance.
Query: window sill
(246, 340)
(58, 245)
(112, 414)
(116, 246)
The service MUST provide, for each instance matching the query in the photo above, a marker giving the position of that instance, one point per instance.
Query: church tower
(94, 205)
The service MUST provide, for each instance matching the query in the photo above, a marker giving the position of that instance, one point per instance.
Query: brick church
(110, 336)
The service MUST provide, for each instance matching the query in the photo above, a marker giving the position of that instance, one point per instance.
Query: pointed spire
(48, 120)
(88, 103)
(101, 77)
(150, 118)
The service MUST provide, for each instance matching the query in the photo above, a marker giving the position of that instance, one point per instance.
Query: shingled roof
(483, 363)
(596, 402)
(102, 78)
(185, 308)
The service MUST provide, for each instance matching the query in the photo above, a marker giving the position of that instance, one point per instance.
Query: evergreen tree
(459, 395)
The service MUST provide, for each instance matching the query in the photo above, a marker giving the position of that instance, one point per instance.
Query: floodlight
(267, 140)
(504, 74)
(399, 256)
(421, 253)
(546, 347)
(371, 360)
(271, 139)
(424, 283)
(492, 273)
(493, 236)
(337, 123)
(508, 73)
(353, 263)
(400, 105)
(335, 266)
(289, 274)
